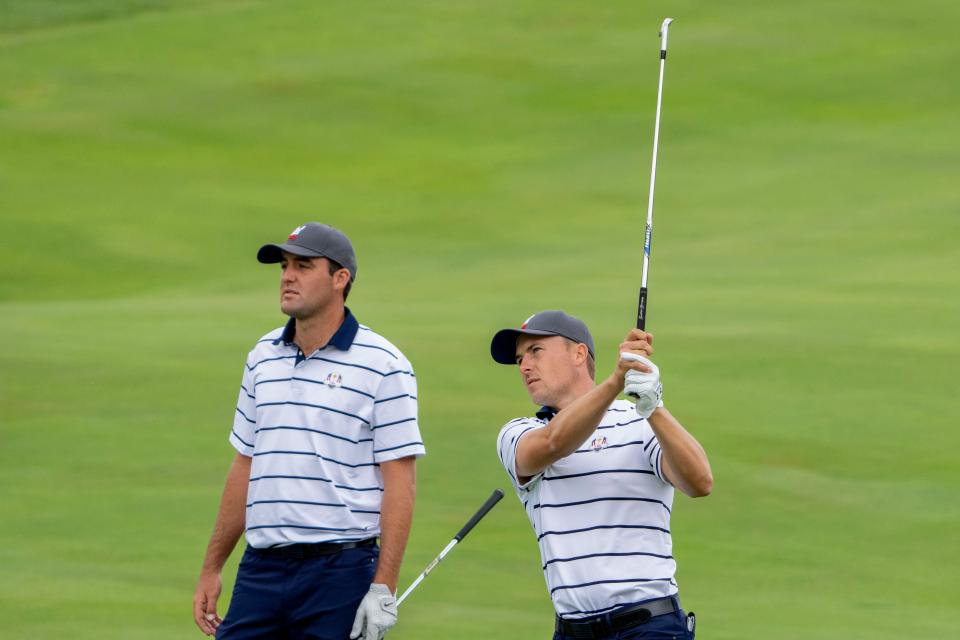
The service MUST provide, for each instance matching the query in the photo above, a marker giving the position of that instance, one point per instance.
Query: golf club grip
(482, 511)
(642, 310)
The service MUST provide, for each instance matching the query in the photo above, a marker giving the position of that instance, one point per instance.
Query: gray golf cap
(503, 348)
(314, 240)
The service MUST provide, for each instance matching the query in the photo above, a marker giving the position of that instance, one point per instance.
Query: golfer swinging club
(596, 476)
(326, 437)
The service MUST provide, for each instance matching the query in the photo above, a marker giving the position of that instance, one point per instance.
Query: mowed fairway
(489, 159)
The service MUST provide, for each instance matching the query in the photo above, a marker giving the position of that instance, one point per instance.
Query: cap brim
(273, 253)
(503, 347)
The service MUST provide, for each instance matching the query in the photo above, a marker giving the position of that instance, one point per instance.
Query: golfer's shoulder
(511, 431)
(267, 344)
(376, 349)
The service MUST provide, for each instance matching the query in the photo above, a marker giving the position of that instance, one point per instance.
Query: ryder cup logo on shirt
(598, 443)
(334, 380)
(296, 232)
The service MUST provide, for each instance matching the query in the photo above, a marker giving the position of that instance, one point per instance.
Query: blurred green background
(489, 159)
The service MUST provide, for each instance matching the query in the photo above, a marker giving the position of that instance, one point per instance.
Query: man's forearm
(685, 462)
(396, 516)
(231, 516)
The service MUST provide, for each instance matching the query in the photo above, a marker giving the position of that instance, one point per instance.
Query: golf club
(642, 307)
(471, 523)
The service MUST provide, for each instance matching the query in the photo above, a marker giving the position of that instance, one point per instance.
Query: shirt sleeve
(243, 434)
(654, 454)
(396, 432)
(507, 443)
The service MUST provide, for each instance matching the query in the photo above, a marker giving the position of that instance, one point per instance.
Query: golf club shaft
(471, 523)
(648, 236)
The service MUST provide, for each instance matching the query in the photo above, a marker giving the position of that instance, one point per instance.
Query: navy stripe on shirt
(314, 406)
(593, 473)
(590, 584)
(608, 499)
(399, 446)
(299, 526)
(612, 446)
(251, 368)
(402, 395)
(607, 555)
(390, 424)
(602, 526)
(319, 431)
(235, 435)
(318, 479)
(373, 346)
(347, 364)
(319, 504)
(314, 453)
(619, 424)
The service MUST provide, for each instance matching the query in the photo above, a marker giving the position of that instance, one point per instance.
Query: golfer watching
(326, 437)
(596, 476)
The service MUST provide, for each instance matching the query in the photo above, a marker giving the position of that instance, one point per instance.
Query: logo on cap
(293, 234)
(524, 325)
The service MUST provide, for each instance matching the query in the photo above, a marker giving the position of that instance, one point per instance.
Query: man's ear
(582, 353)
(341, 278)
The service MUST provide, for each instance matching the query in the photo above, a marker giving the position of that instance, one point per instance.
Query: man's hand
(643, 386)
(205, 603)
(376, 614)
(638, 343)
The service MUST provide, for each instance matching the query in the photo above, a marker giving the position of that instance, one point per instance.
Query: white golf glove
(644, 388)
(376, 614)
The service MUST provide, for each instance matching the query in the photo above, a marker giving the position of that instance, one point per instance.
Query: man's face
(307, 287)
(547, 366)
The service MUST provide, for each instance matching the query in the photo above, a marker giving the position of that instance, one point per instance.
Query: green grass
(489, 159)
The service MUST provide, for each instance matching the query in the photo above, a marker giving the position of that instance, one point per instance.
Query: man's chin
(291, 310)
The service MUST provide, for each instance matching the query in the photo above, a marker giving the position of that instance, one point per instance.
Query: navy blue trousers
(298, 599)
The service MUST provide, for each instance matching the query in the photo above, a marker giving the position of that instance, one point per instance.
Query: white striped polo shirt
(317, 428)
(601, 515)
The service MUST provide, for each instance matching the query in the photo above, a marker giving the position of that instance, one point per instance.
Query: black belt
(617, 620)
(302, 551)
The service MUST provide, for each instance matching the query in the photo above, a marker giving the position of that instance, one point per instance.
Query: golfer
(596, 476)
(326, 436)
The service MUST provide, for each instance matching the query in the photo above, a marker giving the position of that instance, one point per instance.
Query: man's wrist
(211, 568)
(391, 584)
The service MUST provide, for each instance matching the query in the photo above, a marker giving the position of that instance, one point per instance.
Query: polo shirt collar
(546, 413)
(342, 339)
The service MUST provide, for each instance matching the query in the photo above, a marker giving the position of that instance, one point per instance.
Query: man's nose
(524, 364)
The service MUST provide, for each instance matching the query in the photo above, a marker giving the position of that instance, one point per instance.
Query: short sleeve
(654, 455)
(243, 434)
(396, 432)
(507, 443)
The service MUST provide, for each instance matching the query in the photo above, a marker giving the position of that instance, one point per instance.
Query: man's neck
(315, 331)
(581, 388)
